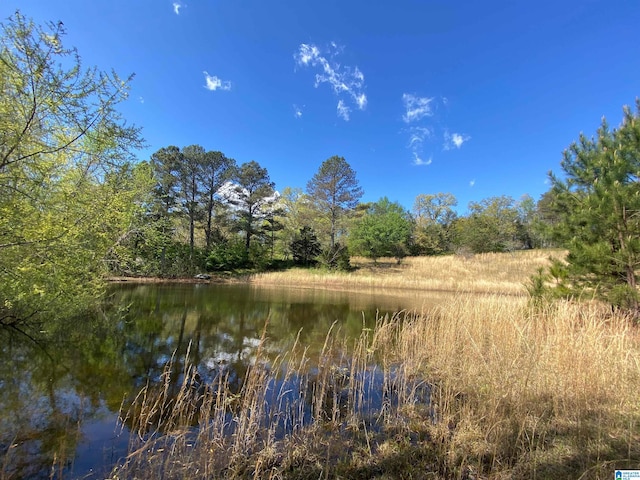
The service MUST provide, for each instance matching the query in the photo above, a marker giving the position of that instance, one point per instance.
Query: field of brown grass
(500, 273)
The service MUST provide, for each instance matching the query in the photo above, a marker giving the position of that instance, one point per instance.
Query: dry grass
(485, 273)
(486, 387)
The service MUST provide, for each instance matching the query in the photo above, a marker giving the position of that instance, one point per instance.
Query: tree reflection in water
(60, 398)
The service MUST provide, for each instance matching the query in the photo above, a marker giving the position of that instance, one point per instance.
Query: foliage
(189, 172)
(434, 218)
(491, 226)
(305, 247)
(215, 169)
(598, 205)
(227, 256)
(64, 150)
(384, 231)
(252, 194)
(295, 212)
(336, 258)
(185, 197)
(334, 191)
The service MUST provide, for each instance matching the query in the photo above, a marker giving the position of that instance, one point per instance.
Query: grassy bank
(502, 273)
(479, 387)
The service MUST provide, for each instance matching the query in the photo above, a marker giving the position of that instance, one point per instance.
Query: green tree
(159, 233)
(296, 212)
(598, 202)
(434, 216)
(335, 191)
(491, 226)
(216, 170)
(385, 230)
(305, 247)
(189, 188)
(252, 194)
(61, 138)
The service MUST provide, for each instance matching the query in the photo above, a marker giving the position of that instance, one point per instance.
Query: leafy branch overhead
(67, 189)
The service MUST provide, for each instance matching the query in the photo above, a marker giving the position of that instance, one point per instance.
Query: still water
(60, 398)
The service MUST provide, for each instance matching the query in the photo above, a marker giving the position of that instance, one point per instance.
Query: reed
(482, 387)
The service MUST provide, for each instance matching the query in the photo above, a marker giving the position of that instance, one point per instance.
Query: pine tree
(598, 202)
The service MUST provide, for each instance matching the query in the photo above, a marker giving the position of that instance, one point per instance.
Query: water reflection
(60, 398)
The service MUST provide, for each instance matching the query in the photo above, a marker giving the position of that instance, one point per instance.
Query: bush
(336, 258)
(227, 256)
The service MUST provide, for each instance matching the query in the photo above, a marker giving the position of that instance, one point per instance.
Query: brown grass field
(481, 387)
(500, 273)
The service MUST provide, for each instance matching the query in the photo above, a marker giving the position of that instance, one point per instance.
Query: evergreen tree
(306, 247)
(335, 191)
(598, 202)
(251, 193)
(216, 170)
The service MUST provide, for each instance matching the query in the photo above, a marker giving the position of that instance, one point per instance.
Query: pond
(60, 400)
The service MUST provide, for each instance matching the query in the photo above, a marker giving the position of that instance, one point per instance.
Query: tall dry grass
(520, 392)
(502, 273)
(485, 387)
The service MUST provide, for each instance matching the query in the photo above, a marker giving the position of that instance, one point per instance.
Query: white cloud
(419, 161)
(472, 182)
(176, 7)
(213, 83)
(416, 107)
(307, 54)
(454, 140)
(297, 111)
(417, 136)
(343, 111)
(346, 82)
(425, 127)
(361, 101)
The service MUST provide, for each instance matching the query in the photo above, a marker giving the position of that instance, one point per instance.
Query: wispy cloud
(141, 99)
(454, 140)
(346, 82)
(418, 161)
(416, 107)
(176, 7)
(472, 182)
(213, 83)
(425, 126)
(343, 111)
(297, 111)
(417, 137)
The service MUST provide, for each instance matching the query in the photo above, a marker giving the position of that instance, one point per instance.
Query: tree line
(205, 212)
(76, 204)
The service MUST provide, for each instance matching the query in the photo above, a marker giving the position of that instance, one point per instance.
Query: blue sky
(473, 98)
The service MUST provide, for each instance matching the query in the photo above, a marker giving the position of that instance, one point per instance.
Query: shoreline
(219, 279)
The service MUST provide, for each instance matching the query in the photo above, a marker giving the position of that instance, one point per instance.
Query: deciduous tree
(434, 216)
(491, 226)
(384, 230)
(61, 139)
